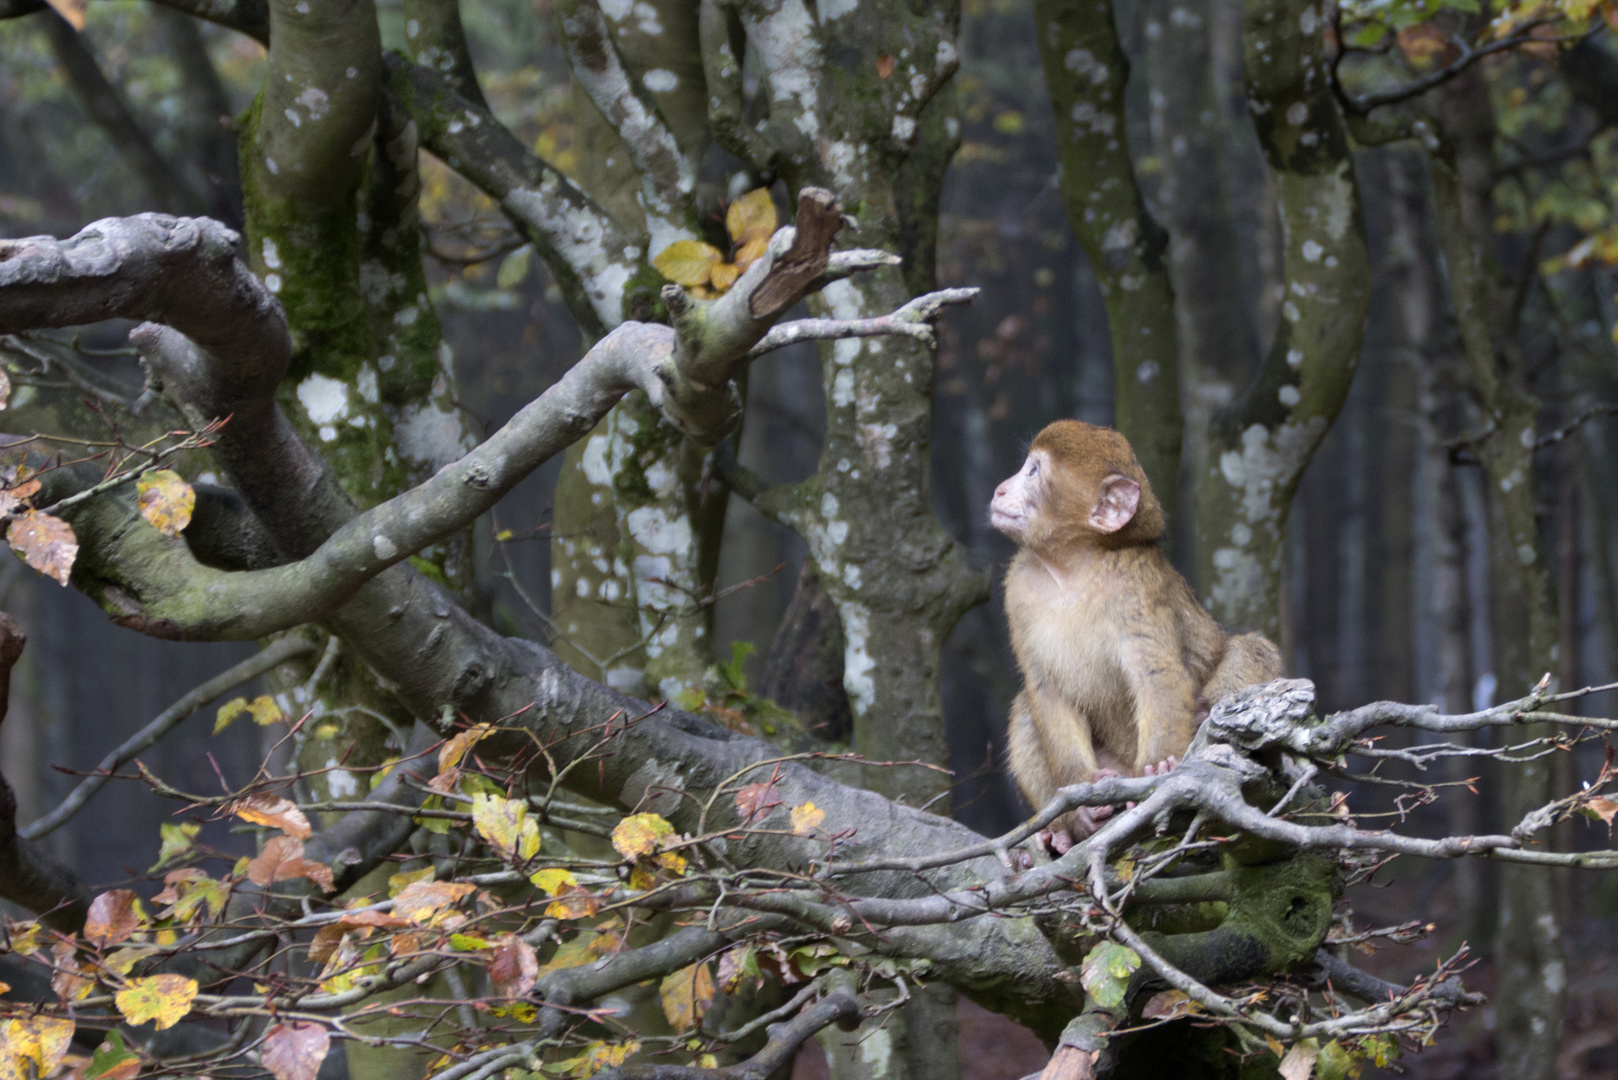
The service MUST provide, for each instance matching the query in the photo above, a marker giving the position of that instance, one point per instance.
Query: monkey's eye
(1033, 466)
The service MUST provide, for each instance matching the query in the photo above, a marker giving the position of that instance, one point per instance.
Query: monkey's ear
(1115, 505)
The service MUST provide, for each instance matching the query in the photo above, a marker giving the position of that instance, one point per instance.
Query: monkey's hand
(1077, 824)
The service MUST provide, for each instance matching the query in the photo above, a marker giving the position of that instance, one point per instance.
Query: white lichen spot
(843, 465)
(646, 20)
(431, 434)
(661, 80)
(1241, 534)
(556, 579)
(383, 547)
(851, 576)
(1527, 438)
(836, 9)
(365, 383)
(324, 399)
(1146, 372)
(1295, 357)
(412, 28)
(340, 782)
(1312, 251)
(292, 115)
(407, 315)
(316, 100)
(1297, 113)
(272, 254)
(610, 590)
(625, 680)
(904, 128)
(655, 531)
(877, 442)
(842, 389)
(1526, 554)
(1083, 63)
(272, 282)
(857, 662)
(269, 163)
(837, 531)
(1290, 310)
(581, 588)
(829, 506)
(1290, 395)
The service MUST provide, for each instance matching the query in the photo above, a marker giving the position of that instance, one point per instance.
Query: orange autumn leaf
(282, 859)
(276, 812)
(46, 543)
(13, 498)
(686, 995)
(162, 998)
(453, 750)
(113, 918)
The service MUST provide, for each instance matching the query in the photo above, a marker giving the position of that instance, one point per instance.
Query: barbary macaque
(1120, 662)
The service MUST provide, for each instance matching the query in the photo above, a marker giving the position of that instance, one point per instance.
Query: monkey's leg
(1249, 659)
(1059, 736)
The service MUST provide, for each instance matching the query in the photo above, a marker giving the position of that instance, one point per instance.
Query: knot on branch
(1262, 716)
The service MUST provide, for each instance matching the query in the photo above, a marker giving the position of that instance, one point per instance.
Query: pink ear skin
(1115, 505)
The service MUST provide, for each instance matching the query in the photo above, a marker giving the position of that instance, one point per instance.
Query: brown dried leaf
(46, 543)
(422, 900)
(573, 902)
(294, 1050)
(1170, 1005)
(166, 501)
(13, 497)
(274, 811)
(282, 859)
(112, 918)
(884, 65)
(755, 801)
(69, 979)
(513, 968)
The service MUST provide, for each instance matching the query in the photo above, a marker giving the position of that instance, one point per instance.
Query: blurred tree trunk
(1533, 978)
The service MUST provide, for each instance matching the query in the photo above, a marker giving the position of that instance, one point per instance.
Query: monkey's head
(1079, 486)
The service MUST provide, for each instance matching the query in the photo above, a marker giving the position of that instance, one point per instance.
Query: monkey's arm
(1249, 659)
(1165, 695)
(1050, 745)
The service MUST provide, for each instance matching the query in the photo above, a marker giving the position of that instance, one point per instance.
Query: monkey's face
(1017, 499)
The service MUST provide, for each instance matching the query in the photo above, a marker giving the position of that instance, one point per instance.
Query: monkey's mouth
(1009, 523)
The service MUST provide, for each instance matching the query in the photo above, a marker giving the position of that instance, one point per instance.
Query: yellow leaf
(46, 543)
(640, 834)
(687, 262)
(750, 252)
(724, 276)
(24, 937)
(262, 709)
(40, 1040)
(505, 824)
(686, 995)
(553, 879)
(806, 818)
(163, 998)
(751, 217)
(166, 501)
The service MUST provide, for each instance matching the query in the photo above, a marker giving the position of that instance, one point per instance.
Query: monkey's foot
(1077, 824)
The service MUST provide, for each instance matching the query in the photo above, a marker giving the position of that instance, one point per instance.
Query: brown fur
(1119, 660)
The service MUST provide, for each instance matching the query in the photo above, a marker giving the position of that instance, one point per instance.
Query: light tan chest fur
(1070, 633)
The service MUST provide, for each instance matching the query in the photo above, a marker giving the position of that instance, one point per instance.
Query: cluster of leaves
(536, 887)
(728, 700)
(701, 268)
